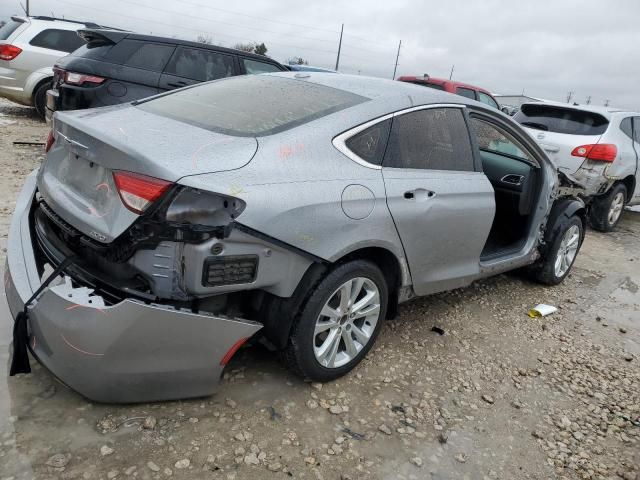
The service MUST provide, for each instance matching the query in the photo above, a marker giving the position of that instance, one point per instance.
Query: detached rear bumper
(127, 352)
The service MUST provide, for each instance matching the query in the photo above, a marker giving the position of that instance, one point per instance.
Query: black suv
(117, 67)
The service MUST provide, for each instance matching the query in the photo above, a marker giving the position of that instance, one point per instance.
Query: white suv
(29, 46)
(599, 147)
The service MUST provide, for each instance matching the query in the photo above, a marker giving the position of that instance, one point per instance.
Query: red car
(469, 91)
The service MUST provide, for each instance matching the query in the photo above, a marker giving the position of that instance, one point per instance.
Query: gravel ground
(497, 396)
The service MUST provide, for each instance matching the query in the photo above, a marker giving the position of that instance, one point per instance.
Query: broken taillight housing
(138, 191)
(73, 78)
(196, 207)
(50, 141)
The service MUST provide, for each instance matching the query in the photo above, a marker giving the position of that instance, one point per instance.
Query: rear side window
(434, 139)
(137, 54)
(53, 39)
(466, 92)
(201, 65)
(255, 66)
(370, 144)
(8, 28)
(626, 127)
(552, 118)
(251, 105)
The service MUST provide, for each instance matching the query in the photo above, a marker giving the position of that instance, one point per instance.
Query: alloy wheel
(346, 322)
(567, 251)
(616, 208)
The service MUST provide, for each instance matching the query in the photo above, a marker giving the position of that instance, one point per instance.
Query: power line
(200, 17)
(262, 19)
(198, 30)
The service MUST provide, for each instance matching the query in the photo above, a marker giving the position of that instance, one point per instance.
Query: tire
(546, 272)
(40, 98)
(305, 352)
(606, 210)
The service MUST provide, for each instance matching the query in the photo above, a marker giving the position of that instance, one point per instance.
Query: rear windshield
(251, 106)
(551, 118)
(430, 85)
(8, 28)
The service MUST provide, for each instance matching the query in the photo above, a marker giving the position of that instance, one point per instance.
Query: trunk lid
(558, 147)
(76, 179)
(559, 128)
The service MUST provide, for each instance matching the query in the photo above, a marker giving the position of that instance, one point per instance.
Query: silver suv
(599, 147)
(29, 46)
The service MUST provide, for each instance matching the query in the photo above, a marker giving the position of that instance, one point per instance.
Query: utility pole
(606, 102)
(27, 9)
(451, 74)
(569, 95)
(588, 99)
(397, 57)
(339, 47)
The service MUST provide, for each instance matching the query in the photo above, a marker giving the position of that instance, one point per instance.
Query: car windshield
(254, 105)
(551, 118)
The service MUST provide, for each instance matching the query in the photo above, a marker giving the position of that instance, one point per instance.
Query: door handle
(419, 194)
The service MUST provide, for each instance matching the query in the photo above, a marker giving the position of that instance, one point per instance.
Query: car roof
(440, 81)
(607, 112)
(120, 35)
(380, 88)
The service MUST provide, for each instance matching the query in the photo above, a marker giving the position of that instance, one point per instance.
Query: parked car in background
(509, 110)
(598, 146)
(464, 89)
(29, 47)
(306, 208)
(296, 67)
(116, 67)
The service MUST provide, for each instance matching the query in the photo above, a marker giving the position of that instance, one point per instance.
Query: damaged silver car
(157, 237)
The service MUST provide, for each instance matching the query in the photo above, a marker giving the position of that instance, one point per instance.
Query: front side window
(251, 105)
(486, 99)
(492, 139)
(370, 144)
(255, 66)
(433, 139)
(466, 92)
(61, 40)
(200, 65)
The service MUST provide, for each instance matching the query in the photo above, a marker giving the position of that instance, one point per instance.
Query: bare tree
(297, 61)
(245, 47)
(208, 39)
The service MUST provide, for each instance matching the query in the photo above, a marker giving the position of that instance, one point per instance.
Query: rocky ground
(497, 395)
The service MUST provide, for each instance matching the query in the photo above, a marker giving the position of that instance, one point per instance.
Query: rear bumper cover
(127, 352)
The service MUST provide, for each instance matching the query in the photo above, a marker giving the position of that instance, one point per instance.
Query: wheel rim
(567, 251)
(616, 208)
(346, 322)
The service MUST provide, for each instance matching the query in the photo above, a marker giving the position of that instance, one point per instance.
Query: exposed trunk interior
(516, 186)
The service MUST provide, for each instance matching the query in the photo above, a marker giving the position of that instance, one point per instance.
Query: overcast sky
(544, 48)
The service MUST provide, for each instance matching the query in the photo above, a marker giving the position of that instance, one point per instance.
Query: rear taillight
(604, 152)
(139, 191)
(73, 78)
(9, 52)
(50, 141)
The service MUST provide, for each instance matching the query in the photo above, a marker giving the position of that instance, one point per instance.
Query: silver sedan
(157, 237)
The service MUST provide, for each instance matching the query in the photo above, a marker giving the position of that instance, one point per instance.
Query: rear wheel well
(37, 86)
(630, 183)
(388, 263)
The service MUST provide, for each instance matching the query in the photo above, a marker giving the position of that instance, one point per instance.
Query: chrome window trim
(340, 141)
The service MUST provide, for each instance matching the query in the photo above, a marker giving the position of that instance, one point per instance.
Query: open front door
(442, 207)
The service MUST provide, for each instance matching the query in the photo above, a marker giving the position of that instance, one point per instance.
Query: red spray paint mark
(79, 349)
